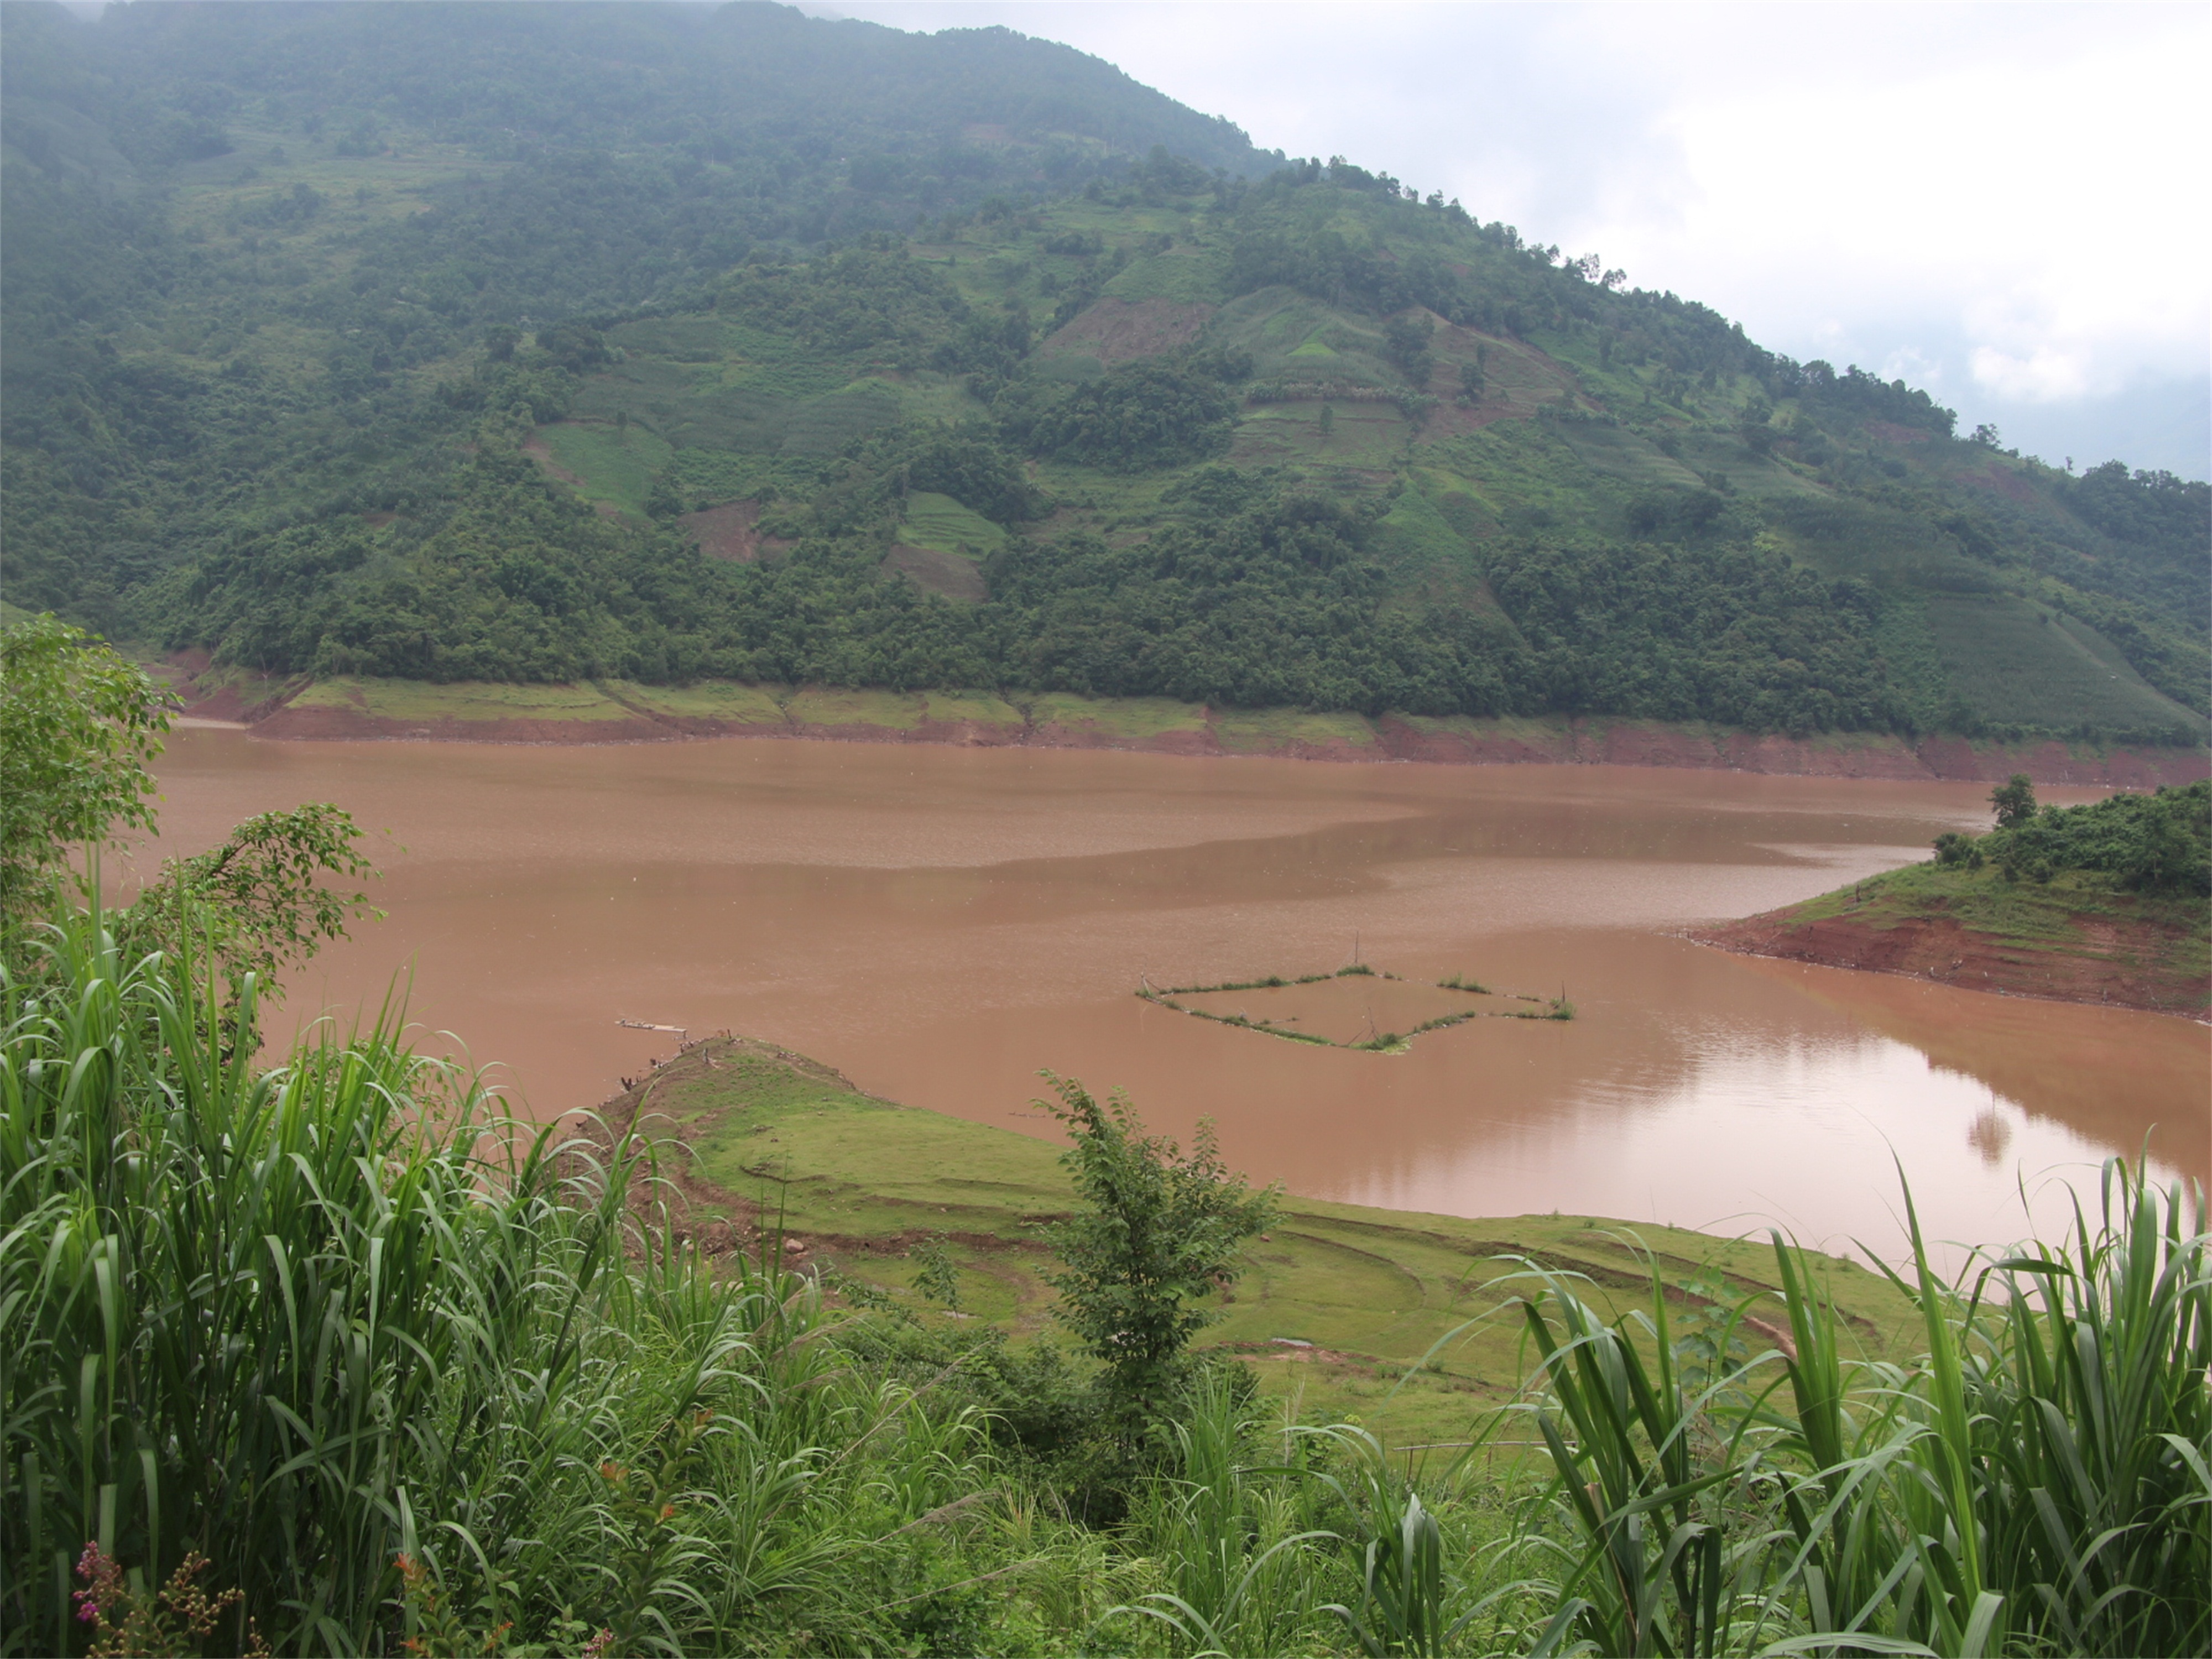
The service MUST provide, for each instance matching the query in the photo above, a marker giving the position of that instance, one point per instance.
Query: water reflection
(940, 923)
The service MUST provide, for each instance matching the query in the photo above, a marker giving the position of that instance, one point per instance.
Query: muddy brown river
(940, 923)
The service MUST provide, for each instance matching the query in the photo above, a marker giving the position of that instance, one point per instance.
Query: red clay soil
(230, 695)
(731, 531)
(2003, 480)
(936, 571)
(2120, 964)
(542, 453)
(971, 734)
(965, 734)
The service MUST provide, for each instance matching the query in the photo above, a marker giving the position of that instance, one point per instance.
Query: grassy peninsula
(2110, 902)
(1337, 1308)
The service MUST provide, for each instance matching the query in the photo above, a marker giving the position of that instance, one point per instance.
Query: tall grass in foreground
(394, 1365)
(2036, 1482)
(403, 1372)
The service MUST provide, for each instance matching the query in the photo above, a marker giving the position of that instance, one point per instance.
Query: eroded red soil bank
(2123, 964)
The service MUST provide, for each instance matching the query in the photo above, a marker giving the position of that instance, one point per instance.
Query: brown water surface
(941, 923)
(1352, 1009)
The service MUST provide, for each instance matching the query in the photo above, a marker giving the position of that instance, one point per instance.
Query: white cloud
(2006, 198)
(2044, 377)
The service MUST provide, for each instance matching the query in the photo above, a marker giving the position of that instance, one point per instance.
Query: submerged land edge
(607, 711)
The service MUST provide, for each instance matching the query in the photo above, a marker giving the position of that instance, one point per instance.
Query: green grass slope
(1338, 1305)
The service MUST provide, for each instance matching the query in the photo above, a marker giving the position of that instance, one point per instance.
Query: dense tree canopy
(1197, 405)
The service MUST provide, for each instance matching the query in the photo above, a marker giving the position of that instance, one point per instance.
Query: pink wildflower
(102, 1584)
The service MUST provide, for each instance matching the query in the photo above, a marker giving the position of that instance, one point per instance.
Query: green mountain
(547, 344)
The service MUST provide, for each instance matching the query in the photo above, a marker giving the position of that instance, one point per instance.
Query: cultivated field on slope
(1561, 440)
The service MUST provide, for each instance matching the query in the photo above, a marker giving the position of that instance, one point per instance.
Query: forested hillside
(663, 344)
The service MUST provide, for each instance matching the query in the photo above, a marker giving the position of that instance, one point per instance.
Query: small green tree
(937, 1279)
(1406, 344)
(1160, 1233)
(78, 728)
(259, 902)
(2014, 799)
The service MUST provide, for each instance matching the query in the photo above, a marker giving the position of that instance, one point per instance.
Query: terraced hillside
(1137, 428)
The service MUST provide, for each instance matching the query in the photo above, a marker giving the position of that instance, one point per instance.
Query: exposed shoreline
(606, 712)
(2145, 961)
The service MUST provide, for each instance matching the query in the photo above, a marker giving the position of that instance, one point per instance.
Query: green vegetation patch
(1354, 435)
(823, 426)
(1133, 717)
(612, 463)
(708, 477)
(1560, 462)
(462, 700)
(943, 524)
(2113, 898)
(2010, 660)
(782, 365)
(1539, 483)
(1424, 550)
(1337, 1301)
(1251, 730)
(897, 711)
(2059, 916)
(1188, 276)
(720, 700)
(1275, 326)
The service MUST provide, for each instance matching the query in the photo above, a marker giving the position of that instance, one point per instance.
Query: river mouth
(943, 924)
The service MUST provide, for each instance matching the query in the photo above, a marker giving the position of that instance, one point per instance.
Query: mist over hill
(552, 342)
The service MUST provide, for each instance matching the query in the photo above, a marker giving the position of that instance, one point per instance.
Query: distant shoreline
(604, 712)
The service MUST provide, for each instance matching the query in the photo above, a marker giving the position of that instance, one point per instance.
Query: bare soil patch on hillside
(935, 572)
(540, 450)
(2003, 481)
(731, 531)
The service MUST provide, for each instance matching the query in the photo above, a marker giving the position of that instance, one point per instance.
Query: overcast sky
(2004, 204)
